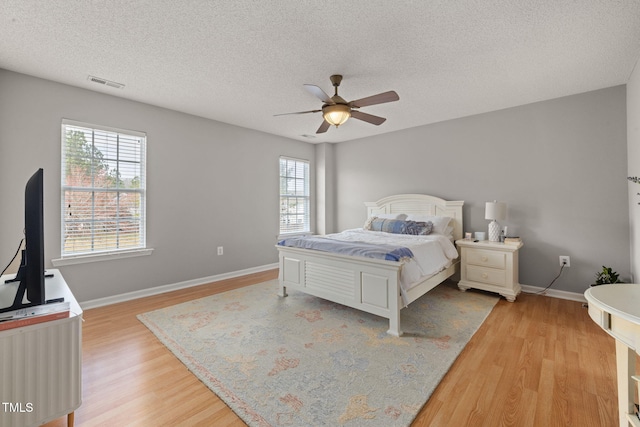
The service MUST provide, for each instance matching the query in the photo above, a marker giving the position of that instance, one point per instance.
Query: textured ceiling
(241, 62)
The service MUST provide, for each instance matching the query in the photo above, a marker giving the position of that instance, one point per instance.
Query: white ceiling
(243, 61)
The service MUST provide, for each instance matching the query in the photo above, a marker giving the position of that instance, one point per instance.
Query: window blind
(103, 189)
(294, 196)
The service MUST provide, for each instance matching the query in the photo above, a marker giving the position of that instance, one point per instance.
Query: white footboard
(365, 284)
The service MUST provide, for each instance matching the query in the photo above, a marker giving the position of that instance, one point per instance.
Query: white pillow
(440, 223)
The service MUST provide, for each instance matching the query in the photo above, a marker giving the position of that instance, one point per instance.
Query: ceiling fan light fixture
(336, 114)
(336, 111)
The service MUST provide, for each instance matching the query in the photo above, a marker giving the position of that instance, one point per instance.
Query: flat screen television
(30, 290)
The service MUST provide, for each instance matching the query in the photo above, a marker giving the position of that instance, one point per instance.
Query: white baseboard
(128, 296)
(573, 296)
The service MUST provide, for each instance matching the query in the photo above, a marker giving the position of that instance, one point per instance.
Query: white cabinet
(490, 266)
(41, 365)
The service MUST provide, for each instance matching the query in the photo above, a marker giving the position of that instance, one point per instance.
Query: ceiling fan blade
(369, 118)
(380, 98)
(299, 112)
(324, 127)
(316, 91)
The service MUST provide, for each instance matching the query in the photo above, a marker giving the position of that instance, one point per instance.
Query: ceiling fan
(336, 110)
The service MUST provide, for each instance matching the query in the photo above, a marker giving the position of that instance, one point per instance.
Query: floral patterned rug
(304, 361)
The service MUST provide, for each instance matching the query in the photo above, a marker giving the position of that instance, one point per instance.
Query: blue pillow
(397, 226)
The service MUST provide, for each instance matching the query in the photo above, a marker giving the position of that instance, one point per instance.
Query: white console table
(615, 309)
(41, 364)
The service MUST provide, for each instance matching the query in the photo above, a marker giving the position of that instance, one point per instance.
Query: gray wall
(633, 158)
(325, 188)
(209, 184)
(560, 165)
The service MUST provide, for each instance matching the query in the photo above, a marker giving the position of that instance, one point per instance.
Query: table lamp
(495, 211)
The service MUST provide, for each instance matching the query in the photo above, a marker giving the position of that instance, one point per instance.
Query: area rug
(304, 361)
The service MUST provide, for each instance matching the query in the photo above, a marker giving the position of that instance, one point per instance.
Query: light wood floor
(537, 362)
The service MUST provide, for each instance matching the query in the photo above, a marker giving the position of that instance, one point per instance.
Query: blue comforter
(368, 250)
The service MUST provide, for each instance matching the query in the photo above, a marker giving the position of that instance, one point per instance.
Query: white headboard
(419, 204)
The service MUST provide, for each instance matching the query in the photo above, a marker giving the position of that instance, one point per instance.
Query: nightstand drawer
(486, 275)
(486, 258)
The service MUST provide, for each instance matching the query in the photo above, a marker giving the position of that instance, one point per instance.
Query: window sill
(105, 256)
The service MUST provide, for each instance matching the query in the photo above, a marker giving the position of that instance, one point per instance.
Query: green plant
(606, 276)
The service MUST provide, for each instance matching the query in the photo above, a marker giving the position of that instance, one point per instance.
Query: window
(294, 196)
(103, 189)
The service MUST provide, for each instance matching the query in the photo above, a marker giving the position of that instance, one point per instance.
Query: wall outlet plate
(565, 260)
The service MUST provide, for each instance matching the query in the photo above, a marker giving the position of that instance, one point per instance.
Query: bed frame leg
(394, 323)
(394, 330)
(394, 308)
(283, 291)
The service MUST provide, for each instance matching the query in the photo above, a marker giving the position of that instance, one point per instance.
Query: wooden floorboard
(539, 361)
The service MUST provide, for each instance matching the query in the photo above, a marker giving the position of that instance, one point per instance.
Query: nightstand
(491, 266)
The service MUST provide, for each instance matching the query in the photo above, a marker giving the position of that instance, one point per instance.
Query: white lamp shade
(495, 210)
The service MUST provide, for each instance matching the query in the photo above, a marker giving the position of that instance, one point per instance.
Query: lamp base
(494, 231)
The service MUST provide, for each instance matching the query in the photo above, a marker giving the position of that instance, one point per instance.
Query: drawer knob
(485, 258)
(485, 276)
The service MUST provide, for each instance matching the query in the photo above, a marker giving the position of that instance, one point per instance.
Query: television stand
(17, 279)
(41, 370)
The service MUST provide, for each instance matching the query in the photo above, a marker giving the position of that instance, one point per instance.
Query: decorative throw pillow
(418, 228)
(367, 223)
(397, 226)
(440, 223)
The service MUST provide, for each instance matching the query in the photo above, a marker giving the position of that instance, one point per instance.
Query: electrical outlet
(220, 250)
(565, 260)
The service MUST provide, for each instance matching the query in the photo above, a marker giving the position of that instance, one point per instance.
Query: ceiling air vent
(105, 82)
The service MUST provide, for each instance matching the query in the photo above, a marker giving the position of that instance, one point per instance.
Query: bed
(367, 284)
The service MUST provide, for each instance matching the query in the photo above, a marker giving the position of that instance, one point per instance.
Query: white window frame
(112, 251)
(304, 198)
